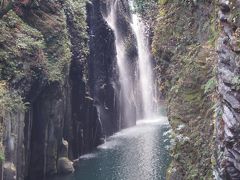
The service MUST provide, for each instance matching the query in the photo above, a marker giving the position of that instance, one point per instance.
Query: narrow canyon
(119, 90)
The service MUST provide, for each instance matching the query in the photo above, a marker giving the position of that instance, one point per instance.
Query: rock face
(10, 171)
(103, 70)
(228, 74)
(185, 59)
(48, 115)
(103, 74)
(86, 130)
(118, 17)
(59, 86)
(188, 46)
(65, 166)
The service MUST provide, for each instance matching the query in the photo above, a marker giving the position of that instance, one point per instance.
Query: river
(137, 153)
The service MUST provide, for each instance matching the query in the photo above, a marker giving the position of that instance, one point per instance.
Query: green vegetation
(2, 155)
(185, 64)
(210, 85)
(236, 82)
(26, 54)
(35, 50)
(58, 56)
(19, 45)
(145, 7)
(80, 26)
(10, 100)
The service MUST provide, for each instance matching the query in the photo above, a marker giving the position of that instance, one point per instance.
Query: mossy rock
(186, 74)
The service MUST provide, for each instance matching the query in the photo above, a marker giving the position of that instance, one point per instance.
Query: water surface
(137, 153)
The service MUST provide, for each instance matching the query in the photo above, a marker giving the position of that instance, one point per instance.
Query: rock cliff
(183, 46)
(59, 86)
(60, 89)
(228, 48)
(196, 47)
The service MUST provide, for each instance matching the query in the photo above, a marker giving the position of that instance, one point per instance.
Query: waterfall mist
(144, 65)
(137, 87)
(127, 97)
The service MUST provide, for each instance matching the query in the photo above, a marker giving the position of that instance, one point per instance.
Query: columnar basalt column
(228, 126)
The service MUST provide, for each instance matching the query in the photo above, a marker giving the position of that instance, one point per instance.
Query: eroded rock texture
(103, 71)
(59, 58)
(103, 74)
(185, 58)
(228, 49)
(86, 131)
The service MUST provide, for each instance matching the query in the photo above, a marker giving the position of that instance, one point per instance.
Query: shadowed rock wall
(228, 48)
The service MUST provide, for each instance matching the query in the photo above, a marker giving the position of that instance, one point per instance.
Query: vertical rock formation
(48, 115)
(104, 73)
(86, 128)
(191, 99)
(59, 107)
(118, 17)
(59, 84)
(102, 70)
(228, 49)
(185, 58)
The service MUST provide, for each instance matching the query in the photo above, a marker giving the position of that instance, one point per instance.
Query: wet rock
(235, 154)
(76, 163)
(223, 17)
(9, 171)
(65, 166)
(223, 88)
(63, 149)
(103, 70)
(66, 112)
(83, 130)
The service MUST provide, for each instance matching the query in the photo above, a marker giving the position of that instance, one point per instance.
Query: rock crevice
(228, 74)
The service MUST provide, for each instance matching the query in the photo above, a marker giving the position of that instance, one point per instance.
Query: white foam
(88, 156)
(160, 120)
(142, 126)
(109, 144)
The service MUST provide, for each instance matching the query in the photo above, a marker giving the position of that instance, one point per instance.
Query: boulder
(9, 171)
(65, 166)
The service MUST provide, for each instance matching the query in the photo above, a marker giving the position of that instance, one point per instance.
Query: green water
(137, 153)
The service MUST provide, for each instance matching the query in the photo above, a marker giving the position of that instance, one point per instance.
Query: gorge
(119, 89)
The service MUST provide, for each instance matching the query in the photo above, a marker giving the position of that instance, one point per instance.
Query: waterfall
(127, 97)
(137, 94)
(144, 65)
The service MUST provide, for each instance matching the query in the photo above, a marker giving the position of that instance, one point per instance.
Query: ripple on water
(109, 144)
(137, 153)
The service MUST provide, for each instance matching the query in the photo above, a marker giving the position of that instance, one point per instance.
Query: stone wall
(228, 48)
(183, 47)
(59, 84)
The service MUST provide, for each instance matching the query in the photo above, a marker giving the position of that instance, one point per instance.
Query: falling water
(145, 85)
(138, 152)
(145, 69)
(145, 66)
(127, 85)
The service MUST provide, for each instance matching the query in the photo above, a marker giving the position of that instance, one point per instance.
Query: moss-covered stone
(22, 60)
(185, 63)
(19, 44)
(50, 20)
